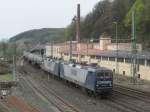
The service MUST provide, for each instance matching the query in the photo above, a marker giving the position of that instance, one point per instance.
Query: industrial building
(104, 53)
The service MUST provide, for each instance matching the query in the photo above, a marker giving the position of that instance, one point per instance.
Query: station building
(104, 53)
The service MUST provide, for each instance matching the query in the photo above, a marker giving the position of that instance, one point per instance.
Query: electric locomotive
(51, 66)
(95, 79)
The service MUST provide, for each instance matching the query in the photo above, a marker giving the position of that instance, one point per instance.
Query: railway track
(130, 98)
(63, 103)
(127, 104)
(52, 97)
(21, 105)
(4, 107)
(137, 94)
(111, 104)
(146, 94)
(121, 105)
(117, 104)
(124, 103)
(15, 104)
(56, 100)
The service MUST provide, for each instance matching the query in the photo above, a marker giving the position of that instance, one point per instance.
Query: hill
(28, 39)
(39, 36)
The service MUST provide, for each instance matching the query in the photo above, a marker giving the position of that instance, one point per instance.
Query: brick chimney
(78, 24)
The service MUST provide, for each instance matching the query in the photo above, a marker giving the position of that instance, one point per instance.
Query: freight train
(98, 80)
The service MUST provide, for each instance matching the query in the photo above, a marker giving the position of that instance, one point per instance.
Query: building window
(127, 60)
(92, 57)
(148, 62)
(105, 58)
(111, 59)
(65, 54)
(82, 56)
(113, 70)
(98, 57)
(141, 61)
(120, 59)
(124, 73)
(75, 55)
(139, 76)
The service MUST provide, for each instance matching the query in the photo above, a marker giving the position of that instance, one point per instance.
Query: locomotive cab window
(100, 74)
(107, 74)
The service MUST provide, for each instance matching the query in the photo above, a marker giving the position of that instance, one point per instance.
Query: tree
(138, 6)
(101, 19)
(3, 48)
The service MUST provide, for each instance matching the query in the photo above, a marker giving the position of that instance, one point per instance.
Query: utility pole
(4, 49)
(74, 19)
(117, 65)
(14, 69)
(87, 51)
(14, 62)
(134, 51)
(70, 59)
(52, 49)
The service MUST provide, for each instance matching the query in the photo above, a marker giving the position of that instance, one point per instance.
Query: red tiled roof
(85, 51)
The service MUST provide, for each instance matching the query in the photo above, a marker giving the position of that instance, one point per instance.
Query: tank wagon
(37, 59)
(33, 58)
(98, 80)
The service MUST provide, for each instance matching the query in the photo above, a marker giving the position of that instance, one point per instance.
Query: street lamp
(117, 66)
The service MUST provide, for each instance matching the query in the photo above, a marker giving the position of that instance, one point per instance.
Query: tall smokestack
(78, 24)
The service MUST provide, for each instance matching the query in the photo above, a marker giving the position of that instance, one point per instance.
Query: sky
(17, 16)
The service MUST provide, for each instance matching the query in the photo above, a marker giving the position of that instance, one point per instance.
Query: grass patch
(6, 77)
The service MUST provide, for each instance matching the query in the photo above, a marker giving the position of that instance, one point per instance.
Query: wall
(104, 42)
(55, 50)
(123, 46)
(48, 51)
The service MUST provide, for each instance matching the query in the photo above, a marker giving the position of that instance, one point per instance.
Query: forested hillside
(40, 36)
(106, 12)
(28, 39)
